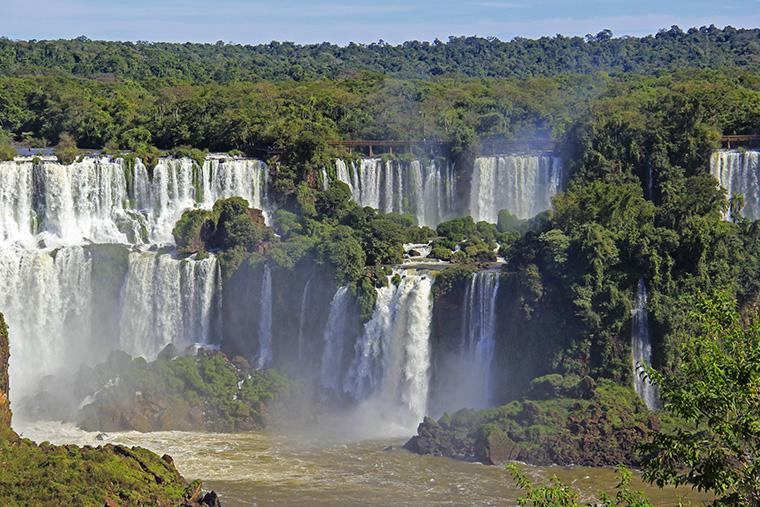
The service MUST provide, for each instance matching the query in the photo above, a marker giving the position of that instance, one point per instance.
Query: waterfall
(50, 305)
(479, 335)
(642, 347)
(521, 184)
(424, 190)
(45, 298)
(104, 200)
(167, 300)
(335, 338)
(265, 320)
(302, 319)
(739, 173)
(390, 368)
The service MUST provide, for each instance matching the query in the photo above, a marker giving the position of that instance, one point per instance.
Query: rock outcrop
(563, 420)
(198, 390)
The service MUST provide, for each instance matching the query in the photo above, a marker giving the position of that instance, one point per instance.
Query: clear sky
(341, 21)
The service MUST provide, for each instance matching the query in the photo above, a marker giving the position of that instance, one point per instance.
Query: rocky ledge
(562, 420)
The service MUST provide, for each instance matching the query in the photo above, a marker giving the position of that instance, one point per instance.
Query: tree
(558, 494)
(66, 150)
(715, 389)
(7, 151)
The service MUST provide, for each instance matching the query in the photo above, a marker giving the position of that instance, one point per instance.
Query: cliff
(110, 475)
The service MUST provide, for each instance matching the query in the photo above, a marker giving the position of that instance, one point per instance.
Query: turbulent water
(104, 200)
(262, 469)
(522, 184)
(739, 173)
(389, 373)
(425, 190)
(642, 347)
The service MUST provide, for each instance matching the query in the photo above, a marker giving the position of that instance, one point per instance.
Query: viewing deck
(748, 140)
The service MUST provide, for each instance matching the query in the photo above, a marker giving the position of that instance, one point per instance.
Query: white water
(424, 190)
(100, 200)
(302, 319)
(265, 320)
(739, 173)
(479, 338)
(167, 300)
(46, 298)
(389, 374)
(334, 340)
(642, 347)
(50, 308)
(522, 184)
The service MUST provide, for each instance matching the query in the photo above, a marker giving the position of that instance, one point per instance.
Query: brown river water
(257, 469)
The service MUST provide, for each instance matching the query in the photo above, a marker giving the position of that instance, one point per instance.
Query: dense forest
(706, 47)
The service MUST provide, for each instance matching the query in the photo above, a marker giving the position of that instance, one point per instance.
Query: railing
(740, 139)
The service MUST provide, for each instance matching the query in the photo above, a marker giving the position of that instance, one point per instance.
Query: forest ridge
(671, 49)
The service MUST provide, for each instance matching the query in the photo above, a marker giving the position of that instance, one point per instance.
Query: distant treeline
(706, 47)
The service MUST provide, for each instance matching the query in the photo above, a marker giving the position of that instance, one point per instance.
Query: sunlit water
(263, 469)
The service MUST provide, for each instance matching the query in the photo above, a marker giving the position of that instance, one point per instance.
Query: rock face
(112, 475)
(5, 404)
(563, 420)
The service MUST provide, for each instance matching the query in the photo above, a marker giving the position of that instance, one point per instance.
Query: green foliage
(66, 150)
(193, 230)
(45, 474)
(715, 388)
(471, 56)
(7, 151)
(449, 278)
(458, 229)
(559, 494)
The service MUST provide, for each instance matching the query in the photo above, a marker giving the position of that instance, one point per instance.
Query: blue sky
(341, 21)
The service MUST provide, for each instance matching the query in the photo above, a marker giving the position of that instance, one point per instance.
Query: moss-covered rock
(563, 420)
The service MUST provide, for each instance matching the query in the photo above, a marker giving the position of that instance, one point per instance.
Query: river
(256, 469)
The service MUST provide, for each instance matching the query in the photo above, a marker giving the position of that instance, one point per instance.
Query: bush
(66, 150)
(458, 229)
(7, 151)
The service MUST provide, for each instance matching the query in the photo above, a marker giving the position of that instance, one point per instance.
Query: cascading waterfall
(45, 298)
(479, 337)
(167, 300)
(739, 173)
(264, 358)
(390, 369)
(522, 184)
(302, 319)
(104, 200)
(642, 347)
(425, 190)
(334, 340)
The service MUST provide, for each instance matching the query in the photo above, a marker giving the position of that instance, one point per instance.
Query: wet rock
(169, 352)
